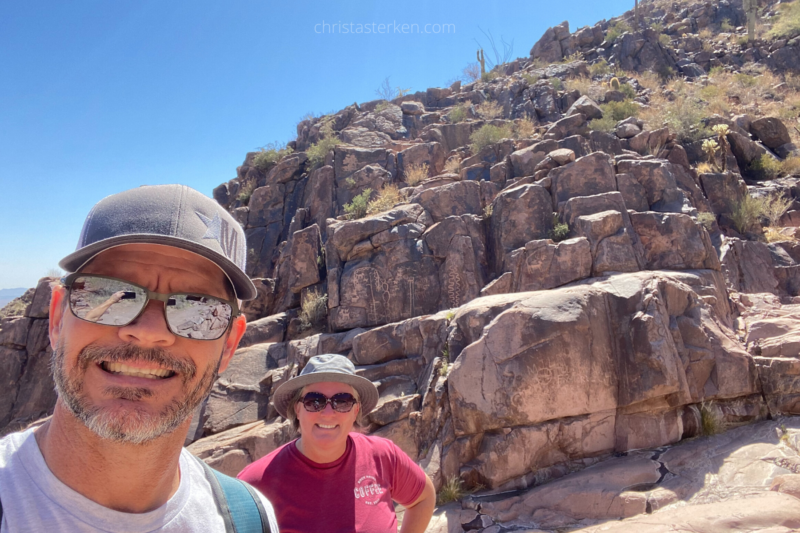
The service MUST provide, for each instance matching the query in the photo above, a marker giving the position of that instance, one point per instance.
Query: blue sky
(101, 96)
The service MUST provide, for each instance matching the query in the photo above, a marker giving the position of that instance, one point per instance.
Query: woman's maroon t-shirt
(353, 493)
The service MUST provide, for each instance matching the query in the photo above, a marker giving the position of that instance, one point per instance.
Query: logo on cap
(227, 236)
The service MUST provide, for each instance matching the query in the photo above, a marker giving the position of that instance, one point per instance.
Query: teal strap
(238, 503)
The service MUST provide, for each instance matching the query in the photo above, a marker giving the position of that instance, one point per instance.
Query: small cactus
(722, 131)
(614, 84)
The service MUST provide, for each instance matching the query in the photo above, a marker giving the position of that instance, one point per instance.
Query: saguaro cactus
(482, 61)
(751, 9)
(636, 14)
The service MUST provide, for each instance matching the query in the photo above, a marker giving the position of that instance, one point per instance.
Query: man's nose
(150, 327)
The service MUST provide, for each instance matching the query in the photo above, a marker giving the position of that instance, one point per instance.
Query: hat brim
(242, 285)
(367, 392)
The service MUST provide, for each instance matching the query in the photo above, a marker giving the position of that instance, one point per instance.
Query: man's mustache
(126, 352)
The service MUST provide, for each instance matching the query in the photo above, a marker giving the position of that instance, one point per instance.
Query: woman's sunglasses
(315, 402)
(116, 302)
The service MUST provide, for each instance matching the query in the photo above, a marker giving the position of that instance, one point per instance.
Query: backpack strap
(238, 503)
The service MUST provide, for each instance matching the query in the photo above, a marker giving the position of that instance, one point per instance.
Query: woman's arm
(418, 514)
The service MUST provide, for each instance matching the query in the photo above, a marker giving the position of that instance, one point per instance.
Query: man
(140, 331)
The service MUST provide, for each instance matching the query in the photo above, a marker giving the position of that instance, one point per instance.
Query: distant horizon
(102, 97)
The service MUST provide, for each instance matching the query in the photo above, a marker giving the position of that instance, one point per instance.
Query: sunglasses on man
(116, 302)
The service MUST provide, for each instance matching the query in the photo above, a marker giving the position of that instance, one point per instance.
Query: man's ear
(57, 306)
(238, 327)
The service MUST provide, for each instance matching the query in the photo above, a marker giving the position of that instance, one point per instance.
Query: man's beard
(132, 425)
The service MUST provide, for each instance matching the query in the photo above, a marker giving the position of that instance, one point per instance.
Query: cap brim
(242, 285)
(367, 392)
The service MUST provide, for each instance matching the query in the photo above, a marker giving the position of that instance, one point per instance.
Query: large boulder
(459, 198)
(659, 182)
(674, 241)
(770, 131)
(542, 264)
(548, 48)
(524, 161)
(519, 215)
(587, 176)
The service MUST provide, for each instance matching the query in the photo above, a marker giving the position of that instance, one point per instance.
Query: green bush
(707, 220)
(725, 25)
(560, 230)
(246, 192)
(664, 40)
(617, 29)
(556, 83)
(357, 208)
(458, 114)
(607, 123)
(620, 110)
(764, 167)
(269, 155)
(489, 76)
(318, 151)
(788, 22)
(531, 79)
(746, 214)
(488, 135)
(600, 68)
(628, 91)
(684, 117)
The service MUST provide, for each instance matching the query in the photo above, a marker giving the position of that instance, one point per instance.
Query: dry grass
(788, 21)
(704, 168)
(705, 34)
(387, 198)
(313, 309)
(415, 173)
(453, 165)
(489, 110)
(452, 491)
(775, 235)
(524, 129)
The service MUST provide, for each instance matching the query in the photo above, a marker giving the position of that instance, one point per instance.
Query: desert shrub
(489, 134)
(745, 80)
(246, 192)
(620, 110)
(357, 208)
(270, 154)
(472, 72)
(788, 22)
(705, 34)
(560, 230)
(524, 129)
(710, 420)
(617, 29)
(453, 165)
(775, 206)
(452, 491)
(313, 308)
(489, 110)
(664, 40)
(531, 79)
(657, 27)
(607, 123)
(764, 167)
(388, 197)
(382, 106)
(725, 25)
(458, 114)
(600, 68)
(575, 56)
(318, 151)
(557, 84)
(386, 92)
(790, 166)
(704, 168)
(707, 220)
(415, 173)
(747, 213)
(489, 76)
(684, 118)
(487, 211)
(580, 84)
(628, 91)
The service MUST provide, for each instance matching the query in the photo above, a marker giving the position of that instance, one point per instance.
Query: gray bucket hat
(327, 367)
(173, 215)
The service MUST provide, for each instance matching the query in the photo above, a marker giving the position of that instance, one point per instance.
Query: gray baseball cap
(173, 215)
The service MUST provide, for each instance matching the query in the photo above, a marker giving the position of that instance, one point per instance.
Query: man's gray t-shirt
(33, 499)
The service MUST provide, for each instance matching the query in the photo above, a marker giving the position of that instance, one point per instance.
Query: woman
(333, 480)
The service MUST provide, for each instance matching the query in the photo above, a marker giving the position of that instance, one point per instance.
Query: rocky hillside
(586, 252)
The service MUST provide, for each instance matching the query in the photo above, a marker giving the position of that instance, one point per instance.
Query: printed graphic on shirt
(368, 490)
